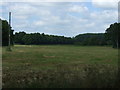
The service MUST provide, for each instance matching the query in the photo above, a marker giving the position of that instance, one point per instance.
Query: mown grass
(59, 66)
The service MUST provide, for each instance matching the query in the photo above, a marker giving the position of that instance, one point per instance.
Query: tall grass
(60, 67)
(86, 76)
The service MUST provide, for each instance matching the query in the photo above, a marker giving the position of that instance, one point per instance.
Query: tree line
(91, 39)
(110, 37)
(5, 33)
(37, 39)
(81, 39)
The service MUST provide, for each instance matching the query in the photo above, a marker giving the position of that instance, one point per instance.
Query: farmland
(36, 66)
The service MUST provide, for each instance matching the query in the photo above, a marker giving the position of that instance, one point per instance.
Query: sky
(61, 18)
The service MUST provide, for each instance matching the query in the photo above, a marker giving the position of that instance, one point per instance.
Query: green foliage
(113, 34)
(90, 39)
(5, 33)
(37, 39)
(82, 39)
(18, 37)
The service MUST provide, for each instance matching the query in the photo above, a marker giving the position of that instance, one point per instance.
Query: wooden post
(9, 32)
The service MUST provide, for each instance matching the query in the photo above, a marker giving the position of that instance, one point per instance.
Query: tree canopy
(113, 34)
(91, 39)
(81, 39)
(5, 33)
(37, 39)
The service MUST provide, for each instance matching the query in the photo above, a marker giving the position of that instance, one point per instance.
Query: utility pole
(9, 32)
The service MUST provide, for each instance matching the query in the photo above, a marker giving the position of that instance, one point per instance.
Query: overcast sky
(61, 18)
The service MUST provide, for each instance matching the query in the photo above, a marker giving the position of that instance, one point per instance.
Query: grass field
(59, 66)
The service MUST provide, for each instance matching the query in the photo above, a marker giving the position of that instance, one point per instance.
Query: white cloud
(48, 4)
(39, 23)
(43, 12)
(105, 0)
(106, 4)
(46, 1)
(21, 9)
(107, 16)
(78, 9)
(1, 11)
(3, 3)
(20, 26)
(20, 17)
(89, 25)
